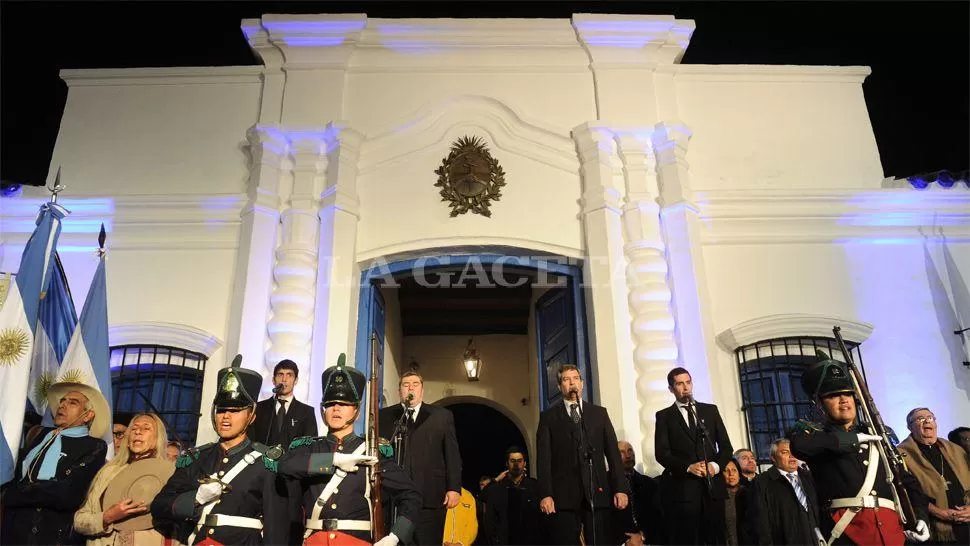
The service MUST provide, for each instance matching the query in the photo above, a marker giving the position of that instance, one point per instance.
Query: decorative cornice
(791, 325)
(161, 76)
(824, 216)
(169, 334)
(133, 221)
(307, 41)
(616, 41)
(767, 73)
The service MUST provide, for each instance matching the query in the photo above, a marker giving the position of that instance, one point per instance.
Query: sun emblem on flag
(13, 345)
(43, 385)
(73, 375)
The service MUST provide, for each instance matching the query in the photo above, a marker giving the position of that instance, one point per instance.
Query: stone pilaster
(257, 239)
(685, 256)
(290, 324)
(605, 283)
(653, 322)
(338, 275)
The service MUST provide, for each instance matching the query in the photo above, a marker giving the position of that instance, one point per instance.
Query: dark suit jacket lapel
(679, 417)
(422, 415)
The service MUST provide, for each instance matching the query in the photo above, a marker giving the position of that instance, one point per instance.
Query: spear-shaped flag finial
(57, 187)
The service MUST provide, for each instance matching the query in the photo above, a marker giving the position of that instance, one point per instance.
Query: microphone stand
(705, 438)
(588, 455)
(272, 417)
(397, 437)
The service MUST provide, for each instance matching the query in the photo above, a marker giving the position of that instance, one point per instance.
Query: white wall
(162, 131)
(785, 127)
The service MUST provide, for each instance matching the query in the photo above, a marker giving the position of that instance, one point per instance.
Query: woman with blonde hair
(142, 455)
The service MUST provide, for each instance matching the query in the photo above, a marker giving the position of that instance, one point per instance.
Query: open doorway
(524, 316)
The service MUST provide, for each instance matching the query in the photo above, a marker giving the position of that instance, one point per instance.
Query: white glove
(868, 438)
(208, 492)
(390, 540)
(348, 461)
(921, 534)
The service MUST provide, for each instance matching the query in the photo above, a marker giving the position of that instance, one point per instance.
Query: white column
(654, 323)
(608, 313)
(685, 255)
(253, 276)
(290, 325)
(338, 277)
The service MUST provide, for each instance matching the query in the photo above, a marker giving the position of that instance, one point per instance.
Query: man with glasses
(225, 492)
(944, 475)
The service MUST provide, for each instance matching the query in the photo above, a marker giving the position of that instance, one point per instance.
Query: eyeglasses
(119, 434)
(925, 419)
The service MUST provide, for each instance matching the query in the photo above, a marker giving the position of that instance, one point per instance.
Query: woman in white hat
(116, 509)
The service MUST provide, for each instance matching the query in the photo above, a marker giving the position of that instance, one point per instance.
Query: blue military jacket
(255, 493)
(310, 460)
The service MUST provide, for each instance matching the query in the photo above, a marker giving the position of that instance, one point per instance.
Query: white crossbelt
(863, 502)
(854, 509)
(338, 525)
(328, 491)
(247, 460)
(225, 520)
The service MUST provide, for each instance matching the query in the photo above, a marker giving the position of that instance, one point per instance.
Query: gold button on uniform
(334, 506)
(333, 536)
(212, 531)
(222, 473)
(873, 493)
(865, 463)
(225, 459)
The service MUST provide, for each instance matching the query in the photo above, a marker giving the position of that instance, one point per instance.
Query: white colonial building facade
(720, 217)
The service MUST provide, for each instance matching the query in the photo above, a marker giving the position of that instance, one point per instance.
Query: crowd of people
(271, 479)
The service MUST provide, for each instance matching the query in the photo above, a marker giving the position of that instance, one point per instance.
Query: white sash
(247, 460)
(338, 476)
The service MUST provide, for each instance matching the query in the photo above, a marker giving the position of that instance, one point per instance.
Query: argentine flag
(87, 357)
(18, 317)
(55, 326)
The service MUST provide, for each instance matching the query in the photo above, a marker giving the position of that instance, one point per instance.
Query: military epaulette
(302, 441)
(385, 447)
(191, 455)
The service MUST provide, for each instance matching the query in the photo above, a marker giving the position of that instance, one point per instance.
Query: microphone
(408, 399)
(278, 389)
(690, 398)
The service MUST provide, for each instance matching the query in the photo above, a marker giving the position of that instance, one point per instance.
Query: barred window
(771, 384)
(162, 379)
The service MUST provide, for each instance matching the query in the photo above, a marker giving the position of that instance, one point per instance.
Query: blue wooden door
(561, 340)
(372, 315)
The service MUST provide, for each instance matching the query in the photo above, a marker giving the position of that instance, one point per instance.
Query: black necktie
(691, 424)
(633, 511)
(574, 412)
(281, 416)
(410, 412)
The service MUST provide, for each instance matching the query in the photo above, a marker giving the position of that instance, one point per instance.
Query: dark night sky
(917, 94)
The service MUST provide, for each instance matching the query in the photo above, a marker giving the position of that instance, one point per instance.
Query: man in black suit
(573, 435)
(428, 451)
(783, 503)
(693, 446)
(282, 418)
(55, 470)
(511, 514)
(642, 521)
(279, 420)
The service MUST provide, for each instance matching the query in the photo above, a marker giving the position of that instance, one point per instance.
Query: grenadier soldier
(857, 501)
(226, 492)
(336, 489)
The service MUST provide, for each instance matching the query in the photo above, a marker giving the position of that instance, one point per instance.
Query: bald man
(641, 522)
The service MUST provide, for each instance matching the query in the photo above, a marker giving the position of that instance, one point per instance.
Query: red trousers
(873, 527)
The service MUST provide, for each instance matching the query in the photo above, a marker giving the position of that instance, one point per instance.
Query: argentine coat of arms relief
(470, 178)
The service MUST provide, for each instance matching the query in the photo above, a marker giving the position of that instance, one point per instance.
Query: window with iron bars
(160, 379)
(771, 385)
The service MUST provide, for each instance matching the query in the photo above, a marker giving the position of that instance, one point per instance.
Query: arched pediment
(791, 325)
(435, 126)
